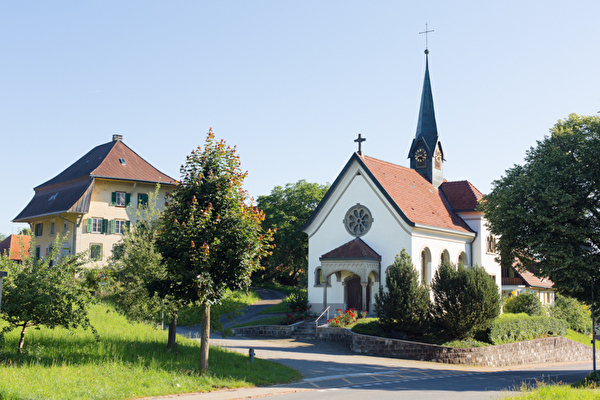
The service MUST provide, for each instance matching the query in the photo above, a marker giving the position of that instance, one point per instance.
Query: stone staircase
(305, 330)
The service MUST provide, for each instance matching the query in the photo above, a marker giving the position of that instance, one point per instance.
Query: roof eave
(114, 178)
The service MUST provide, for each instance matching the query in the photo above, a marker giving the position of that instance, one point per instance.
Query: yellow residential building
(91, 201)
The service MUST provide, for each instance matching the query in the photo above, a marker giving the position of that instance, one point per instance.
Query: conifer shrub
(527, 303)
(575, 313)
(404, 307)
(466, 299)
(518, 327)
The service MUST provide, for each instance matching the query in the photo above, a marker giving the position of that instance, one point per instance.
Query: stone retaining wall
(278, 331)
(551, 349)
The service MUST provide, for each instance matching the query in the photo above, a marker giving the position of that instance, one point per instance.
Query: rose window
(358, 220)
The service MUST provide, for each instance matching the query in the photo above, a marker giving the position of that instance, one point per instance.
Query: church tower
(426, 154)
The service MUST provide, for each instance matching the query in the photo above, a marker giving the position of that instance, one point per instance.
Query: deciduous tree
(287, 209)
(548, 209)
(44, 292)
(211, 238)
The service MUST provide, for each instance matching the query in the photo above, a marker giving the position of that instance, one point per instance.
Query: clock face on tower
(421, 157)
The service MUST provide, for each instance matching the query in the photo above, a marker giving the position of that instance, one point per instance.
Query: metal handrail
(317, 320)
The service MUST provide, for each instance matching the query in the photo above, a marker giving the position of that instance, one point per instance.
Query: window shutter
(112, 226)
(89, 225)
(113, 199)
(104, 225)
(127, 199)
(127, 225)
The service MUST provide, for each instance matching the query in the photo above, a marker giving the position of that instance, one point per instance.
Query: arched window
(318, 277)
(424, 267)
(491, 244)
(462, 259)
(445, 256)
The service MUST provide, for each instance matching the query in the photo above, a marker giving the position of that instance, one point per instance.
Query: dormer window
(122, 161)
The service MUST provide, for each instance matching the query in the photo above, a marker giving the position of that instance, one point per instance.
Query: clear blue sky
(290, 83)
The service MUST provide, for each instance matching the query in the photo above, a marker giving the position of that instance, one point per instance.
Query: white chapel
(375, 208)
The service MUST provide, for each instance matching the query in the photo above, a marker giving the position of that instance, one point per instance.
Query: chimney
(117, 138)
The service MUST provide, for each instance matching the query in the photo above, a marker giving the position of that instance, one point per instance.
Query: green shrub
(517, 327)
(575, 313)
(466, 299)
(404, 307)
(368, 326)
(527, 303)
(298, 300)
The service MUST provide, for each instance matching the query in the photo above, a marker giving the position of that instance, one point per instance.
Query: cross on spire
(426, 32)
(359, 140)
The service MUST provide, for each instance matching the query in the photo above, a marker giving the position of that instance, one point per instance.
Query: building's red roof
(15, 246)
(70, 190)
(418, 199)
(462, 195)
(354, 249)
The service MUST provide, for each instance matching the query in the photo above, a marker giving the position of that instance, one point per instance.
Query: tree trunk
(22, 340)
(172, 333)
(204, 338)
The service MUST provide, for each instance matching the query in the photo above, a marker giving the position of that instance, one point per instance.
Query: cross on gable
(359, 140)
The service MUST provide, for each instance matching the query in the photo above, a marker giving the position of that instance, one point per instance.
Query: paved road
(332, 371)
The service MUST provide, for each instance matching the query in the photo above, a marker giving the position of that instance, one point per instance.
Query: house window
(120, 199)
(424, 267)
(318, 277)
(96, 225)
(38, 251)
(96, 251)
(39, 229)
(120, 226)
(52, 228)
(491, 244)
(65, 227)
(142, 200)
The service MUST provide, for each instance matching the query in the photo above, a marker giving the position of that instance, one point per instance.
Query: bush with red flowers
(342, 319)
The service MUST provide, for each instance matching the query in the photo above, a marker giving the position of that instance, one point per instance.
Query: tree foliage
(466, 299)
(527, 303)
(44, 292)
(211, 239)
(405, 306)
(138, 263)
(575, 313)
(286, 210)
(548, 209)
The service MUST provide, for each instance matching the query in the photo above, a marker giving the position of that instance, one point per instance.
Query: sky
(290, 83)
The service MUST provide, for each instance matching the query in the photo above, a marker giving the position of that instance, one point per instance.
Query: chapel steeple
(426, 154)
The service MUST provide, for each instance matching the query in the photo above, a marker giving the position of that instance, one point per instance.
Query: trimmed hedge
(518, 327)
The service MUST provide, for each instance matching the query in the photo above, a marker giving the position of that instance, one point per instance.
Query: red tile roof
(415, 196)
(13, 245)
(533, 281)
(69, 191)
(354, 249)
(461, 195)
(104, 161)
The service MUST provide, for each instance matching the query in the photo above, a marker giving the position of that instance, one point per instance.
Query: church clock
(421, 157)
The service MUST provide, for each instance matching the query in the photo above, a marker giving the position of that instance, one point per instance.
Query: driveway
(330, 369)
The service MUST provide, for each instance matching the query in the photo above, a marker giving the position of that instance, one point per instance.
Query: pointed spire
(427, 126)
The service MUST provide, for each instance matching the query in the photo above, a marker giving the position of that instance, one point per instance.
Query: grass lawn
(579, 337)
(129, 361)
(277, 308)
(556, 392)
(232, 304)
